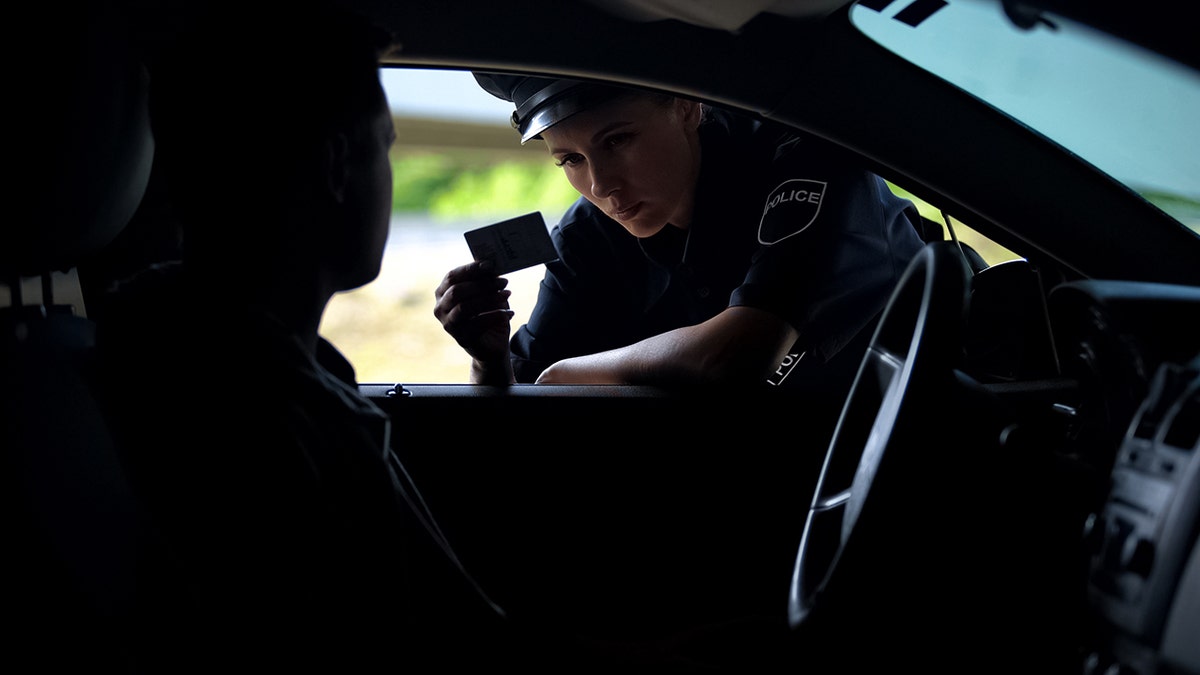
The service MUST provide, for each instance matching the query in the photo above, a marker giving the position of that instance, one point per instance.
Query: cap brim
(561, 105)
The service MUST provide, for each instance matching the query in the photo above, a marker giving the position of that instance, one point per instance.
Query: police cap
(543, 102)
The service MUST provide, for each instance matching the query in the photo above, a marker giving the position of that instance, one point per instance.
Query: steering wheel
(913, 352)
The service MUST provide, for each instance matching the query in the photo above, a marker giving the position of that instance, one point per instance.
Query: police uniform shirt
(781, 223)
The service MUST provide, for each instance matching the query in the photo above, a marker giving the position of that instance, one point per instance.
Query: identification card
(513, 244)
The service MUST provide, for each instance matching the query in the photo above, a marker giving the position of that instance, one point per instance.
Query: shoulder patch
(790, 209)
(785, 368)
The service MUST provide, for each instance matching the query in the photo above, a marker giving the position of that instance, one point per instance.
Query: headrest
(84, 147)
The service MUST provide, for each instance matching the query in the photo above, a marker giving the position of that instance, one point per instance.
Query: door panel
(625, 510)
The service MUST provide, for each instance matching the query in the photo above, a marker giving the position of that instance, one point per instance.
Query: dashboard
(1134, 349)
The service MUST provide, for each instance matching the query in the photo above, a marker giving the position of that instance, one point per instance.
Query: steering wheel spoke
(915, 347)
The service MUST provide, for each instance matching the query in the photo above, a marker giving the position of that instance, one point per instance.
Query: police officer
(706, 247)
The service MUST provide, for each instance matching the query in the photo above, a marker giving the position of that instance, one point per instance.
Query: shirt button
(702, 291)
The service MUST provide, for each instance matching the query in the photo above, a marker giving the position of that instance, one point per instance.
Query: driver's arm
(741, 345)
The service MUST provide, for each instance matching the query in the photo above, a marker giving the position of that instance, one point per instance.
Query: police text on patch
(790, 209)
(794, 195)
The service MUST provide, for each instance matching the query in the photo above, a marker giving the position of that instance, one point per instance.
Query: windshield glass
(1130, 113)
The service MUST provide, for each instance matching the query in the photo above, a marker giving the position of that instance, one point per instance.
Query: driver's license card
(513, 244)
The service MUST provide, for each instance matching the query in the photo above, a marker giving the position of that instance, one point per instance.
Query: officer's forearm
(738, 346)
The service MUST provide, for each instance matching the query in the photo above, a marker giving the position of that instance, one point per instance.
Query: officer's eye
(617, 140)
(569, 160)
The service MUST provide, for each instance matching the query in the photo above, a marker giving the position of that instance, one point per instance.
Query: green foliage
(1184, 209)
(455, 186)
(991, 252)
(415, 178)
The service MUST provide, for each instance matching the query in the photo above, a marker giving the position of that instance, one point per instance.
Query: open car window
(458, 165)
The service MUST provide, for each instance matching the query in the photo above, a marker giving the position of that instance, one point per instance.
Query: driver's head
(248, 110)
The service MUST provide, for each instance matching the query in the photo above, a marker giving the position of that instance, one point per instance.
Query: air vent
(1169, 383)
(1184, 432)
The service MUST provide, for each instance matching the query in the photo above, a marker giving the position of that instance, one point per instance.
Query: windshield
(1130, 113)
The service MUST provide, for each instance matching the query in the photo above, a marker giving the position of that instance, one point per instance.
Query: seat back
(71, 525)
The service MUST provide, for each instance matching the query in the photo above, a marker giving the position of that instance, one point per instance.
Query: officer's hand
(472, 305)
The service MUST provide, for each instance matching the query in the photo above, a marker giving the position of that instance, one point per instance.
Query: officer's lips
(626, 212)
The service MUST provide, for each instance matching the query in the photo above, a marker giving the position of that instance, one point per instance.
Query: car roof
(804, 63)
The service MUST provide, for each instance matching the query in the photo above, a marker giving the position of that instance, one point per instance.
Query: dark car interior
(1011, 481)
(71, 519)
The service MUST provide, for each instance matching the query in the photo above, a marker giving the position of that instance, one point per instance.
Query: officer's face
(636, 159)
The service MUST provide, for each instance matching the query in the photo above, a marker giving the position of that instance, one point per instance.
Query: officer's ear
(690, 112)
(336, 165)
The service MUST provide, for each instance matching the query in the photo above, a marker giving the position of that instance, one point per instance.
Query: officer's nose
(604, 179)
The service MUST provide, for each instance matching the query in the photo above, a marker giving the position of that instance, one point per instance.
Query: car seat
(72, 533)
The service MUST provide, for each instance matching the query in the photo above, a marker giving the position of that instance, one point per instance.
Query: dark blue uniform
(781, 223)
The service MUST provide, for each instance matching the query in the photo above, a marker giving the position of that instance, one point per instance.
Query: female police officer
(706, 247)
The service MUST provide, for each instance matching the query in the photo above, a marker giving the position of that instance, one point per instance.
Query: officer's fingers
(454, 307)
(493, 318)
(475, 315)
(454, 320)
(455, 276)
(470, 331)
(487, 327)
(488, 302)
(468, 279)
(474, 271)
(475, 295)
